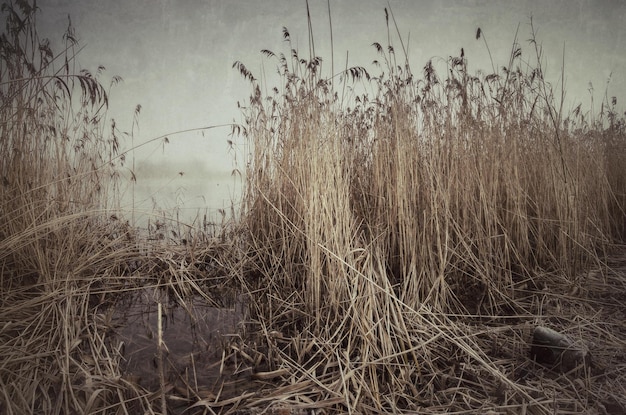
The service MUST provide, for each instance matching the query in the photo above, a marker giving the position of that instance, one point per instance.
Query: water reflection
(196, 335)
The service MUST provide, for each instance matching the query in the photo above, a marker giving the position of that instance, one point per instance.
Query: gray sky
(175, 58)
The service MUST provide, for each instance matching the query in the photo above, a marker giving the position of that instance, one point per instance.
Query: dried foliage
(68, 258)
(59, 252)
(396, 248)
(397, 239)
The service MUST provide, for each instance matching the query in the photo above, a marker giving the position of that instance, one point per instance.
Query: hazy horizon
(176, 61)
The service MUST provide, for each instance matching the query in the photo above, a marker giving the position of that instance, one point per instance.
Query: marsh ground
(400, 236)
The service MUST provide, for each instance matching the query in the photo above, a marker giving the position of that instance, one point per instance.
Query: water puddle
(198, 337)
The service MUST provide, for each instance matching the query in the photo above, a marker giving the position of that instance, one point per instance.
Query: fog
(176, 61)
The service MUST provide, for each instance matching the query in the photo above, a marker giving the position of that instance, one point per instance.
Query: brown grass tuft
(384, 230)
(396, 248)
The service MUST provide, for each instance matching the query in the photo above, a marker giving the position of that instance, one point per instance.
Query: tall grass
(56, 162)
(61, 246)
(397, 246)
(379, 223)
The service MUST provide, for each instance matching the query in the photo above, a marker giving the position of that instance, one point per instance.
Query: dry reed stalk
(160, 361)
(378, 234)
(60, 251)
(395, 252)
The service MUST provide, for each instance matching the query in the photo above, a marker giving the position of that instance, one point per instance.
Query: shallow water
(196, 336)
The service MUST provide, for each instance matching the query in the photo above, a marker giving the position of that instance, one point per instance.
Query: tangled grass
(403, 241)
(395, 249)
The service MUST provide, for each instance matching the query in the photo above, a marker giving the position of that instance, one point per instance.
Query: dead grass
(63, 252)
(396, 249)
(403, 244)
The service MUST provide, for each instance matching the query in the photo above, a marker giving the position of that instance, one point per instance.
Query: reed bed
(60, 252)
(395, 248)
(66, 252)
(400, 241)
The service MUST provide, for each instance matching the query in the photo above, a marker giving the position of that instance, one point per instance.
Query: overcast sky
(176, 56)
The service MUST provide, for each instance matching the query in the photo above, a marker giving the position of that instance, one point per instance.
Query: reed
(395, 247)
(378, 224)
(67, 252)
(62, 248)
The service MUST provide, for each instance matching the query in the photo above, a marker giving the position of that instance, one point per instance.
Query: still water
(181, 193)
(197, 341)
